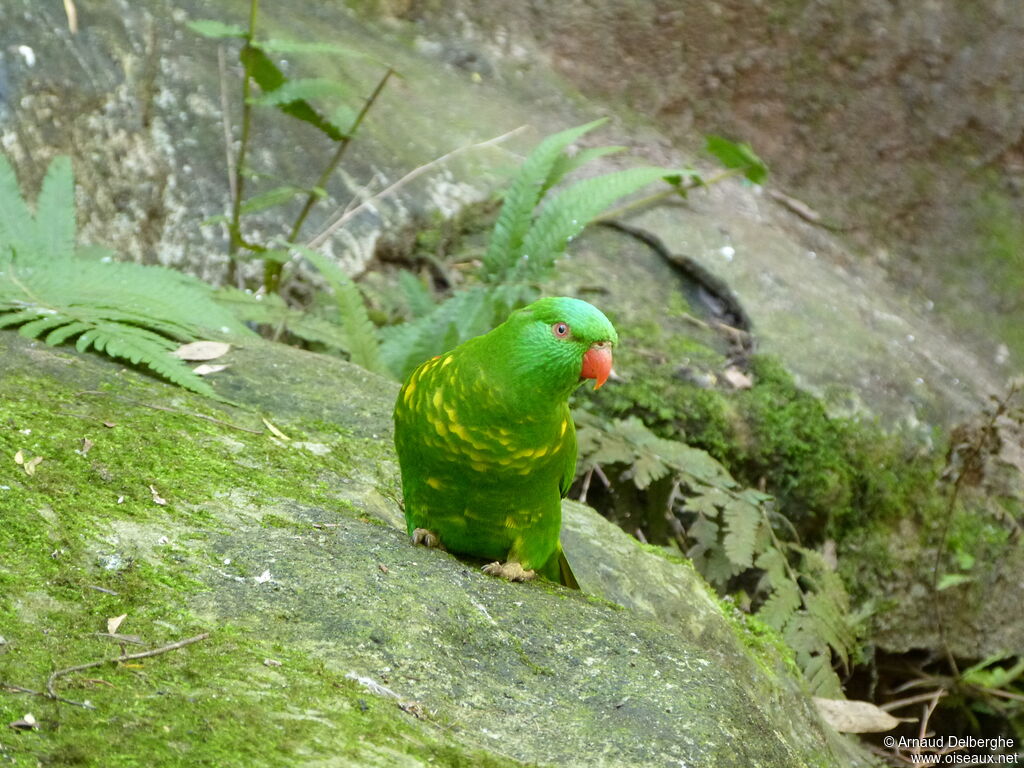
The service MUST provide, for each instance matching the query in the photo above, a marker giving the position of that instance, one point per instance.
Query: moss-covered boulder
(332, 640)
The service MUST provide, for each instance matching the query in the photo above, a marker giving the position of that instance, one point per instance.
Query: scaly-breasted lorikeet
(486, 443)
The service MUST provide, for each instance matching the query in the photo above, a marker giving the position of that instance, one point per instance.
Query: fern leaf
(302, 89)
(829, 624)
(117, 341)
(17, 318)
(742, 521)
(417, 296)
(822, 678)
(55, 210)
(566, 163)
(36, 328)
(522, 197)
(779, 608)
(568, 213)
(363, 344)
(66, 332)
(17, 229)
(269, 77)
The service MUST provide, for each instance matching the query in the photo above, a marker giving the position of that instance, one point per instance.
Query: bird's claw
(511, 570)
(428, 539)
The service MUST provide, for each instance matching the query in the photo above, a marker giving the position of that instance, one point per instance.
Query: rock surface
(532, 673)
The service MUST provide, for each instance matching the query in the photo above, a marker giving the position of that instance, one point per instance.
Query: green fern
(730, 535)
(271, 310)
(363, 344)
(565, 216)
(522, 251)
(534, 178)
(126, 311)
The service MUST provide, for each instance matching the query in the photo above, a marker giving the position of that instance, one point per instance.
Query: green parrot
(485, 441)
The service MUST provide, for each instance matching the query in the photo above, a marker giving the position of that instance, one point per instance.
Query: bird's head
(563, 341)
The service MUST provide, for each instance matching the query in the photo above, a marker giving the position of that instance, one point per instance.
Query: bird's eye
(561, 330)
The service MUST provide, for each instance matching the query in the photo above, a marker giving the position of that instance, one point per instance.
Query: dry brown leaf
(854, 716)
(27, 723)
(87, 445)
(109, 424)
(115, 622)
(202, 350)
(275, 431)
(737, 379)
(205, 370)
(157, 498)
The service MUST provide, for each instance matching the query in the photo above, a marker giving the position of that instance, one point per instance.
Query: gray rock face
(529, 672)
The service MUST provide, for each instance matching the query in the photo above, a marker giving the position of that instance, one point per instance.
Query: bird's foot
(428, 539)
(511, 570)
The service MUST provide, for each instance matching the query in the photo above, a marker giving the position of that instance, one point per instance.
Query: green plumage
(485, 440)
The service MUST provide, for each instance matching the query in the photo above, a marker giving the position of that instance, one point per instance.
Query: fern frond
(417, 295)
(568, 213)
(363, 344)
(742, 522)
(821, 677)
(138, 346)
(566, 163)
(127, 311)
(522, 197)
(466, 314)
(55, 210)
(780, 606)
(17, 229)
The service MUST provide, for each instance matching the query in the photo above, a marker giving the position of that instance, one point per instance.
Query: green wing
(569, 452)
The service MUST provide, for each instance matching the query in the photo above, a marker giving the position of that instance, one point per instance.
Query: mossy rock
(333, 641)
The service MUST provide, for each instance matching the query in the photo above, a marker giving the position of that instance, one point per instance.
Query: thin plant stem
(272, 269)
(234, 228)
(665, 193)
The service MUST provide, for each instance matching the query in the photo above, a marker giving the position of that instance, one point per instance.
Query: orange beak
(597, 363)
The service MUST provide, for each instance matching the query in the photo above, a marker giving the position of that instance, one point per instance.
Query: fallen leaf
(202, 350)
(27, 723)
(275, 431)
(383, 568)
(204, 369)
(854, 716)
(737, 379)
(263, 578)
(31, 464)
(19, 458)
(87, 445)
(157, 498)
(414, 708)
(115, 622)
(109, 424)
(271, 663)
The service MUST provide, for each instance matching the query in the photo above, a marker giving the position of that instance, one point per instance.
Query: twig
(973, 455)
(889, 706)
(51, 693)
(45, 695)
(343, 218)
(585, 488)
(225, 120)
(343, 145)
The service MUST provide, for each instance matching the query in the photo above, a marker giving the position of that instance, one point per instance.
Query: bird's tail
(557, 569)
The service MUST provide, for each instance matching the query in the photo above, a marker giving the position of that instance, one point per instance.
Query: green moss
(81, 542)
(831, 476)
